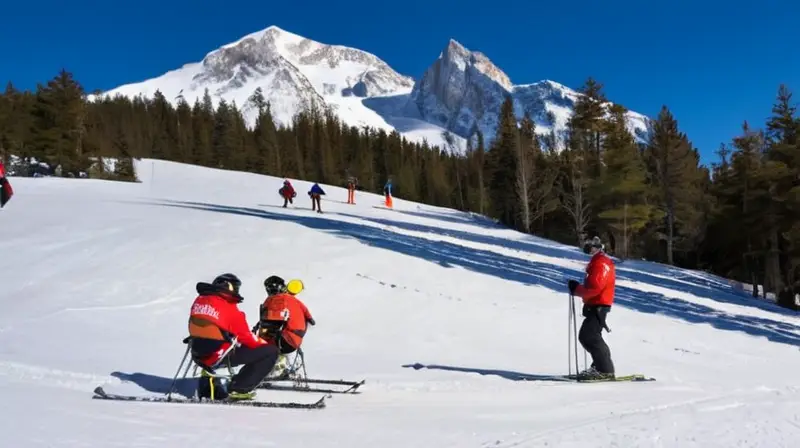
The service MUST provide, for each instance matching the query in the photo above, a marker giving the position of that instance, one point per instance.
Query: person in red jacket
(219, 329)
(284, 308)
(287, 193)
(282, 304)
(597, 292)
(5, 186)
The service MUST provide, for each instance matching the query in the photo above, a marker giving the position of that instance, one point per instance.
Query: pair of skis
(636, 377)
(304, 385)
(101, 394)
(269, 384)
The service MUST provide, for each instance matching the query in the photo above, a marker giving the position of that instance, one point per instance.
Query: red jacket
(287, 191)
(598, 286)
(214, 318)
(5, 187)
(298, 316)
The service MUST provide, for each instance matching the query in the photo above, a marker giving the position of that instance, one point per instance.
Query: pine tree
(782, 172)
(624, 188)
(674, 164)
(502, 162)
(58, 124)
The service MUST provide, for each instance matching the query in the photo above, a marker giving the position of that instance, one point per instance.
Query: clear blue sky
(714, 63)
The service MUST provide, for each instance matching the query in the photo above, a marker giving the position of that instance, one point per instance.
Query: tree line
(738, 218)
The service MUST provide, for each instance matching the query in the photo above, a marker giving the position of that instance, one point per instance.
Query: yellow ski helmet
(295, 287)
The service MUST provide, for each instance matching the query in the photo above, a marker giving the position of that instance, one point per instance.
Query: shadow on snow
(696, 283)
(545, 248)
(158, 384)
(527, 272)
(505, 374)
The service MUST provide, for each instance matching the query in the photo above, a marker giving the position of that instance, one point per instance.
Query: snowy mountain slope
(461, 92)
(436, 309)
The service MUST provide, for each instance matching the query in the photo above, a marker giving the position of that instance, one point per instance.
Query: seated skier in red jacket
(219, 330)
(282, 307)
(597, 292)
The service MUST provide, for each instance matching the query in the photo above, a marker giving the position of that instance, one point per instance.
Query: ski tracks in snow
(674, 423)
(42, 376)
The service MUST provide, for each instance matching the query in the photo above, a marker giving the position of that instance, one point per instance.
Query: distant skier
(287, 193)
(5, 186)
(214, 321)
(387, 191)
(282, 305)
(351, 190)
(315, 193)
(597, 292)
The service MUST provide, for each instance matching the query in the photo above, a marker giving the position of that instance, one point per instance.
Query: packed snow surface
(438, 310)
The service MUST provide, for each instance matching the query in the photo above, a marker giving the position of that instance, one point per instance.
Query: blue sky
(714, 63)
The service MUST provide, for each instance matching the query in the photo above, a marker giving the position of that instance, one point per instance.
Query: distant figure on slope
(287, 193)
(5, 186)
(315, 193)
(387, 191)
(282, 307)
(351, 190)
(214, 322)
(597, 292)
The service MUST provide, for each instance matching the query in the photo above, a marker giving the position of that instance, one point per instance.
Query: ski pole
(569, 340)
(175, 380)
(574, 330)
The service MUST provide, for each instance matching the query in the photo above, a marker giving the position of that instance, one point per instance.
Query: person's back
(214, 321)
(285, 306)
(599, 285)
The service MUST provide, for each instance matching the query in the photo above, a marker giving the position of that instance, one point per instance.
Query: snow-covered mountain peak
(461, 91)
(462, 57)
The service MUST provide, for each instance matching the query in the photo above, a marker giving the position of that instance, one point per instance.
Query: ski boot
(239, 396)
(592, 374)
(210, 387)
(279, 370)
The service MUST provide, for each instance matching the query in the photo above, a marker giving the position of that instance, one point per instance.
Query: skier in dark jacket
(315, 193)
(597, 292)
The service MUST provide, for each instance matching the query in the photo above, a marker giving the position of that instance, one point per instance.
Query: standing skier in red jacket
(214, 322)
(5, 186)
(597, 292)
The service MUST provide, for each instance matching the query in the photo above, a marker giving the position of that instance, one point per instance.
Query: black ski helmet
(274, 285)
(230, 282)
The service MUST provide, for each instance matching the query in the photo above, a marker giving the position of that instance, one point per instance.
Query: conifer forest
(738, 218)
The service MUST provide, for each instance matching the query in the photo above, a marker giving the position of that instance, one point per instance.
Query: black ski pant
(316, 205)
(258, 362)
(591, 337)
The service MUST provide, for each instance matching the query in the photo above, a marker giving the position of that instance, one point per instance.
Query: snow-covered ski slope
(97, 279)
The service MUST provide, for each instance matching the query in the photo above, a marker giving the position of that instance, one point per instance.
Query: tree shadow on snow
(505, 374)
(546, 248)
(527, 272)
(158, 384)
(460, 218)
(699, 284)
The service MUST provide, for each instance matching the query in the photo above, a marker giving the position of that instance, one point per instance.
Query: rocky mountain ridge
(461, 91)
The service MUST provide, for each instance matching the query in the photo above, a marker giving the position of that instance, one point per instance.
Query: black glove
(312, 321)
(572, 284)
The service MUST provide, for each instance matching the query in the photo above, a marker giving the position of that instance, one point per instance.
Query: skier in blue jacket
(315, 193)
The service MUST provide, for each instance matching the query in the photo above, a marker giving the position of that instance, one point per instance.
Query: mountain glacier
(461, 92)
